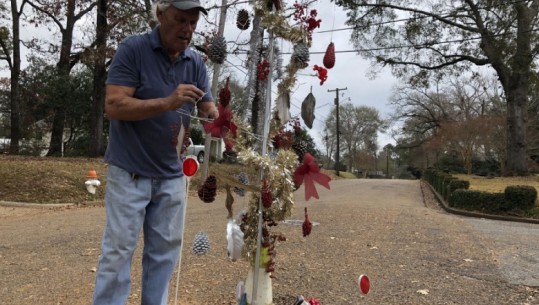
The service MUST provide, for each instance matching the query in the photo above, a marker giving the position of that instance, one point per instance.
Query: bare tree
(415, 37)
(11, 53)
(359, 126)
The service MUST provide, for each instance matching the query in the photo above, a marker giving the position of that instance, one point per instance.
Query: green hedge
(456, 192)
(516, 197)
(476, 200)
(520, 197)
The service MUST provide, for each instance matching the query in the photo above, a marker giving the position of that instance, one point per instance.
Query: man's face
(177, 27)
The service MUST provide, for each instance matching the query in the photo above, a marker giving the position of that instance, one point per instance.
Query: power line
(419, 17)
(419, 45)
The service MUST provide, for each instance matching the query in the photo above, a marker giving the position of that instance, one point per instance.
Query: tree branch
(421, 12)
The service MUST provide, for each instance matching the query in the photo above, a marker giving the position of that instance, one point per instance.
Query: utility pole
(337, 157)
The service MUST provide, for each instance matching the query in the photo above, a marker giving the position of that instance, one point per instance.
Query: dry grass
(61, 180)
(497, 184)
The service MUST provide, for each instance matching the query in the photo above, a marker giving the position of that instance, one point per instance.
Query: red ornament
(307, 225)
(224, 94)
(322, 74)
(190, 166)
(267, 198)
(364, 284)
(313, 301)
(263, 70)
(309, 172)
(223, 124)
(329, 57)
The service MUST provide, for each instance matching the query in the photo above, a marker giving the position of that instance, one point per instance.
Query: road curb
(451, 210)
(14, 204)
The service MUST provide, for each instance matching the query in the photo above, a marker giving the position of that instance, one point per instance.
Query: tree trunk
(56, 148)
(517, 93)
(96, 147)
(63, 68)
(15, 131)
(516, 164)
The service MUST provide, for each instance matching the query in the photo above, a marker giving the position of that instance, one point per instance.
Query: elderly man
(155, 81)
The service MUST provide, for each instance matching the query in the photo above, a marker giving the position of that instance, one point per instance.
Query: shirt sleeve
(124, 68)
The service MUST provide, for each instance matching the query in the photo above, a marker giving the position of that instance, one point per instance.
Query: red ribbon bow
(220, 126)
(309, 172)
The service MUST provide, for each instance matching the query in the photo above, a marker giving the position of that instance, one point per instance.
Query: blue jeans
(156, 206)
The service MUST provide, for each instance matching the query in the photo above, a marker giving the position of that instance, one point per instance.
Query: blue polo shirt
(148, 147)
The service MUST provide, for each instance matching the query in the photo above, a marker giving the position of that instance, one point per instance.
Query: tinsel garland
(277, 22)
(278, 174)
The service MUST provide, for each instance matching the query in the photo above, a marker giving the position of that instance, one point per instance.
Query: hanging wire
(207, 120)
(442, 15)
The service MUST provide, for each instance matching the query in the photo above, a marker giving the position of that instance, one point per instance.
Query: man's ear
(159, 13)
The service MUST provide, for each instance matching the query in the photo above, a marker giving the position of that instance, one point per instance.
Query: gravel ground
(391, 230)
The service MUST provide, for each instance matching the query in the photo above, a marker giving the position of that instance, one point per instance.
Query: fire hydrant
(92, 183)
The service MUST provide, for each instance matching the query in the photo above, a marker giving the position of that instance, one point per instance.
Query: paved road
(516, 247)
(413, 254)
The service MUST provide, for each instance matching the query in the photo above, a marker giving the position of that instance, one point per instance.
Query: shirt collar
(155, 42)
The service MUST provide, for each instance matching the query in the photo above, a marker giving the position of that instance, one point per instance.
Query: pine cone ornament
(267, 198)
(307, 225)
(329, 57)
(208, 190)
(201, 244)
(243, 21)
(230, 156)
(278, 4)
(224, 94)
(300, 56)
(300, 149)
(217, 50)
(244, 179)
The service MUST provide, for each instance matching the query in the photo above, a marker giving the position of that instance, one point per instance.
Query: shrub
(476, 200)
(520, 197)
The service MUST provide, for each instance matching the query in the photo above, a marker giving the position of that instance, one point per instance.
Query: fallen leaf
(94, 269)
(423, 291)
(468, 260)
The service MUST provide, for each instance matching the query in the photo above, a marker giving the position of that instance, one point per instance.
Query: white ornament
(234, 237)
(91, 185)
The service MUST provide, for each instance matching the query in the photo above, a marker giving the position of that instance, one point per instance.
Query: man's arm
(121, 105)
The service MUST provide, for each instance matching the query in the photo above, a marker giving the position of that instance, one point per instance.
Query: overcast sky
(350, 69)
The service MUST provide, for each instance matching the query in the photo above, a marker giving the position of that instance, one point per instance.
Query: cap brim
(187, 5)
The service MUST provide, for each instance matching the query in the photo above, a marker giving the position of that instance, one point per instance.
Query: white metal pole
(267, 115)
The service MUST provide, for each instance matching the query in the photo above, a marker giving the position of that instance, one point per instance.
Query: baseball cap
(186, 5)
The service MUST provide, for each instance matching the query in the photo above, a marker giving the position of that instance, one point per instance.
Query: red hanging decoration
(309, 173)
(329, 57)
(220, 126)
(322, 73)
(312, 22)
(267, 198)
(263, 70)
(224, 94)
(307, 225)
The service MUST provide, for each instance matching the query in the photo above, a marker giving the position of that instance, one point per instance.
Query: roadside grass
(345, 175)
(61, 180)
(498, 185)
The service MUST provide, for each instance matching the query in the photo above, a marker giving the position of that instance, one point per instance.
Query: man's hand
(208, 110)
(184, 93)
